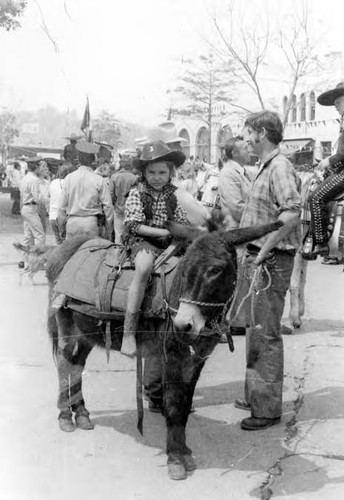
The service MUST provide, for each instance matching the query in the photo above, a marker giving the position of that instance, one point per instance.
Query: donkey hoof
(286, 330)
(83, 422)
(176, 471)
(177, 467)
(66, 422)
(189, 463)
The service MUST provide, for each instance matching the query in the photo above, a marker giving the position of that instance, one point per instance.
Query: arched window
(312, 105)
(293, 109)
(202, 144)
(185, 145)
(303, 108)
(284, 104)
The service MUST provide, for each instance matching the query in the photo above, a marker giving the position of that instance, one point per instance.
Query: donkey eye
(215, 270)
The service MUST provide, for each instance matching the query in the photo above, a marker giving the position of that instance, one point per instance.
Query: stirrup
(307, 249)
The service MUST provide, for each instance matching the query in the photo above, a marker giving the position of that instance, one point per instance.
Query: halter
(224, 305)
(204, 304)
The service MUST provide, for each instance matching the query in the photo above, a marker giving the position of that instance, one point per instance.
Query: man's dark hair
(64, 170)
(268, 120)
(87, 159)
(230, 144)
(32, 166)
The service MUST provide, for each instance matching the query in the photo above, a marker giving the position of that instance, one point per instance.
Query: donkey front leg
(182, 370)
(176, 409)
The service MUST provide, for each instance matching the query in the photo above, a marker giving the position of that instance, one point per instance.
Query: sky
(123, 54)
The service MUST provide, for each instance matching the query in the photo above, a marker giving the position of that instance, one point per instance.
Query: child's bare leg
(143, 269)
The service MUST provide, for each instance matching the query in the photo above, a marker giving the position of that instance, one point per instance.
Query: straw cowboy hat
(166, 132)
(73, 137)
(87, 147)
(328, 98)
(159, 150)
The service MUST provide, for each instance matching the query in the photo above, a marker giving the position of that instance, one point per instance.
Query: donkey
(202, 288)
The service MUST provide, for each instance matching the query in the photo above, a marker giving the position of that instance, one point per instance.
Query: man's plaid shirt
(275, 189)
(134, 210)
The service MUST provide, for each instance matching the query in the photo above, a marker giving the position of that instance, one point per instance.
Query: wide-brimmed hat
(34, 159)
(165, 132)
(159, 150)
(73, 137)
(87, 147)
(328, 98)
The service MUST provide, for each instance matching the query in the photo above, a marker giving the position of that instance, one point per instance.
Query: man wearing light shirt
(85, 197)
(30, 197)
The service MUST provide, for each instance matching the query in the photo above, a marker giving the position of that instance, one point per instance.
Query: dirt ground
(300, 459)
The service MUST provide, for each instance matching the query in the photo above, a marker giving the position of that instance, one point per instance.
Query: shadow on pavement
(223, 445)
(319, 325)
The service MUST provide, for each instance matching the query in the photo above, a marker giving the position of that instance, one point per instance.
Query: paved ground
(300, 459)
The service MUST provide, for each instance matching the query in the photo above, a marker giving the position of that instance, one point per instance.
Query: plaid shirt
(275, 189)
(134, 210)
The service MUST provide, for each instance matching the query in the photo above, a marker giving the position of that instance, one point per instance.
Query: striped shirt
(276, 189)
(134, 209)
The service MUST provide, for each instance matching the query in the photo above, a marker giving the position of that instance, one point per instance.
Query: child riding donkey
(148, 207)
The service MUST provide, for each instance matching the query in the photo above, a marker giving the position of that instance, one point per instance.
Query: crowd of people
(130, 206)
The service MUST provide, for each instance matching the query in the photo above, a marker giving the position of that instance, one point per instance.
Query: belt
(255, 249)
(31, 203)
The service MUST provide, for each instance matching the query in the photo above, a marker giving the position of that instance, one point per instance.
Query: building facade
(311, 131)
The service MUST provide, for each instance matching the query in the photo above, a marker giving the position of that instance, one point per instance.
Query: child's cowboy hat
(328, 98)
(155, 151)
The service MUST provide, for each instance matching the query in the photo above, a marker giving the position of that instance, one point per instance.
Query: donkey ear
(181, 232)
(245, 234)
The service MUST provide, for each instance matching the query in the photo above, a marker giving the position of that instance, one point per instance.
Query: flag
(86, 122)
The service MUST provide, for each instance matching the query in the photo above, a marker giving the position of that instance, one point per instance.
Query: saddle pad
(86, 274)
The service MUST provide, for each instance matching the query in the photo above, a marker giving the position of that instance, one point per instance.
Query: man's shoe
(332, 261)
(257, 424)
(321, 249)
(242, 404)
(237, 330)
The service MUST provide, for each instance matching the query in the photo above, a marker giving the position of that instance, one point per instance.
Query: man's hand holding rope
(290, 219)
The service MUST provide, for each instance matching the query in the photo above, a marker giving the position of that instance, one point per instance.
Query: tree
(10, 11)
(8, 132)
(107, 128)
(204, 90)
(253, 46)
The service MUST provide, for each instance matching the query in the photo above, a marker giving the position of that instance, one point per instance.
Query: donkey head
(208, 273)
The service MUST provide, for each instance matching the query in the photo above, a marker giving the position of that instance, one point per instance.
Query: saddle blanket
(91, 272)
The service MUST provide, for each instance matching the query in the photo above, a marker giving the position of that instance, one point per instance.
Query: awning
(290, 146)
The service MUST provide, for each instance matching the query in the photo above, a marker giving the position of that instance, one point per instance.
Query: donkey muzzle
(189, 319)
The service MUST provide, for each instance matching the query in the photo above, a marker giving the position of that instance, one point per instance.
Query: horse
(198, 299)
(335, 220)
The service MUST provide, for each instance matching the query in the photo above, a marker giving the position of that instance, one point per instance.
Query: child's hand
(164, 233)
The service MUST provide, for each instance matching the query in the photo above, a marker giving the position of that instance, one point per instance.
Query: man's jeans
(264, 344)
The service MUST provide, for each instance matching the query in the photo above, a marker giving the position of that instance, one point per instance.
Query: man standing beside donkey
(267, 267)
